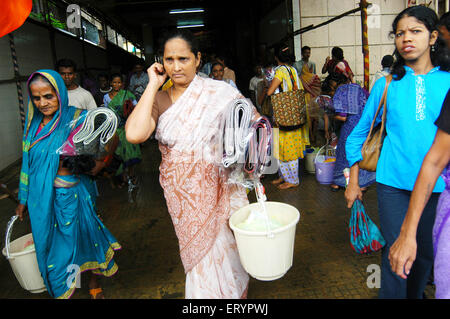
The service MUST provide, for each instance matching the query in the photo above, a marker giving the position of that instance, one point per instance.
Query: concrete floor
(325, 266)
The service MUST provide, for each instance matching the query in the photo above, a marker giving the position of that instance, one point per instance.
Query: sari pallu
(198, 198)
(311, 82)
(48, 211)
(129, 153)
(441, 241)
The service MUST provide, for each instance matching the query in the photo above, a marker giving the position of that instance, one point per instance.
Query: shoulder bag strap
(382, 103)
(294, 85)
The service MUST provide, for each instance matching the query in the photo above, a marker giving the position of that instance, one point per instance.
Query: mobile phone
(158, 59)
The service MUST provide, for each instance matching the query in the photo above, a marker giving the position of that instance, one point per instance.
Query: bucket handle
(315, 158)
(261, 197)
(8, 235)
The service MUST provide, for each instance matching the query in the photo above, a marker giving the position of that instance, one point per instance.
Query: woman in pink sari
(187, 120)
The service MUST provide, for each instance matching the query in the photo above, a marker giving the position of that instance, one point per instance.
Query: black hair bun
(79, 164)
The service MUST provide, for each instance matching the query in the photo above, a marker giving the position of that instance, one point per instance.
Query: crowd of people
(180, 100)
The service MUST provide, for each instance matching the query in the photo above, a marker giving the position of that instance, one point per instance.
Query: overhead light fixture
(192, 10)
(192, 23)
(190, 26)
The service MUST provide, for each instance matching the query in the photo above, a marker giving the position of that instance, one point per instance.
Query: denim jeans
(392, 206)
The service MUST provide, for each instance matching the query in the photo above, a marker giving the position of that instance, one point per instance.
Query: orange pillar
(365, 42)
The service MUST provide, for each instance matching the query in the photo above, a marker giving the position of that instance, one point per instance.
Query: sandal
(94, 292)
(277, 181)
(286, 185)
(334, 188)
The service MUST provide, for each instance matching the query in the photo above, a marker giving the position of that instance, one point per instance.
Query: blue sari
(350, 99)
(69, 238)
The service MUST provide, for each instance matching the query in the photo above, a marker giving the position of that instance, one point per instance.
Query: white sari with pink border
(198, 198)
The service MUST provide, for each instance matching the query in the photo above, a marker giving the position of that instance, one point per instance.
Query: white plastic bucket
(267, 257)
(309, 161)
(24, 263)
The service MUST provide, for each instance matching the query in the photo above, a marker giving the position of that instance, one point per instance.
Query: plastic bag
(259, 147)
(365, 237)
(235, 128)
(259, 219)
(247, 144)
(91, 138)
(329, 154)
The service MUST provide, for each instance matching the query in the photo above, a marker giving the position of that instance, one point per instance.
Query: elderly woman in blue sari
(69, 237)
(348, 103)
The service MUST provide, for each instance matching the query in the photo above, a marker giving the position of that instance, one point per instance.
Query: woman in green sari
(121, 102)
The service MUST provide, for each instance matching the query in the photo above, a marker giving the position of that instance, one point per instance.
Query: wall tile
(318, 8)
(346, 32)
(317, 37)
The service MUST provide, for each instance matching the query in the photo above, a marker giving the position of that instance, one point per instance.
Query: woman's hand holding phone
(156, 75)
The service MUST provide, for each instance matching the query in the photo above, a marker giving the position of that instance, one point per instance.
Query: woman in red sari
(337, 64)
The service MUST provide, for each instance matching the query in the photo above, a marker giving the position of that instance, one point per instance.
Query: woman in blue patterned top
(414, 100)
(348, 103)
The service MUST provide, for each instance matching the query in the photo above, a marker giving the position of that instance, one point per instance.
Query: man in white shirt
(306, 54)
(254, 88)
(78, 97)
(217, 72)
(227, 72)
(386, 64)
(138, 81)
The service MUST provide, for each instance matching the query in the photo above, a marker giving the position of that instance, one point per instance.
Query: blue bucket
(324, 171)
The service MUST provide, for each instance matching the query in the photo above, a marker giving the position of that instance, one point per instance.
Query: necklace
(112, 94)
(43, 124)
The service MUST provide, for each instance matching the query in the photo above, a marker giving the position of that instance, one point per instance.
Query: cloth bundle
(98, 128)
(365, 237)
(236, 127)
(259, 147)
(246, 143)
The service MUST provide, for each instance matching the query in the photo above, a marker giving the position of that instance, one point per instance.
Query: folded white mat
(236, 130)
(98, 128)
